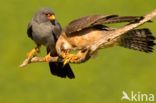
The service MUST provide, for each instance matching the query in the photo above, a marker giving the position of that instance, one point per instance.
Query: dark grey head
(44, 15)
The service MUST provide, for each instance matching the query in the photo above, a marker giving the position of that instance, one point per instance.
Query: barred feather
(138, 39)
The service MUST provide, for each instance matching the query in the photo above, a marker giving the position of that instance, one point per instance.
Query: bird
(45, 30)
(82, 33)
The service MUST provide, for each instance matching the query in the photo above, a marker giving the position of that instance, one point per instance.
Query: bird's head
(44, 15)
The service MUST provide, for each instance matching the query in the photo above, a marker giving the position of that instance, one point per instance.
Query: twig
(39, 59)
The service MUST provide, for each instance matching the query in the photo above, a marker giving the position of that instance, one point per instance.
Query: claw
(47, 58)
(64, 54)
(32, 52)
(70, 58)
(67, 57)
(81, 56)
(66, 61)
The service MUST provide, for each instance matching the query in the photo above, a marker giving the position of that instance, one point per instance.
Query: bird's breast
(86, 38)
(89, 37)
(42, 34)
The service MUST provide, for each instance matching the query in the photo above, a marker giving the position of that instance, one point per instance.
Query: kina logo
(137, 96)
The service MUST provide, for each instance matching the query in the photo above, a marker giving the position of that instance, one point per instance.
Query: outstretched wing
(84, 22)
(94, 20)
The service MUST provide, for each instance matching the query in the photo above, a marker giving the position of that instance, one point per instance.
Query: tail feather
(138, 39)
(60, 70)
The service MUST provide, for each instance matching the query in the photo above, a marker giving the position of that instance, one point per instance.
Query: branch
(114, 34)
(39, 59)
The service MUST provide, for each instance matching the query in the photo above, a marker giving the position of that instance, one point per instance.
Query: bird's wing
(84, 22)
(94, 20)
(57, 30)
(29, 30)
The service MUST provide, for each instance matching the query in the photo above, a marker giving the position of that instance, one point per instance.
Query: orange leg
(47, 58)
(33, 52)
(81, 56)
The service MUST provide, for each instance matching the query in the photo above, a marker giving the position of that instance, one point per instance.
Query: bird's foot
(80, 57)
(47, 58)
(33, 52)
(70, 58)
(65, 56)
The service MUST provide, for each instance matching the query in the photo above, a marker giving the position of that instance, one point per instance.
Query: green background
(100, 80)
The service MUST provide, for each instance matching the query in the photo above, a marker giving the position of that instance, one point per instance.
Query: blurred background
(101, 79)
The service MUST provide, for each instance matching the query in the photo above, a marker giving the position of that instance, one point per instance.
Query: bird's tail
(138, 39)
(59, 69)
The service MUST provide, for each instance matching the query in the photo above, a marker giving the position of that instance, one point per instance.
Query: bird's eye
(47, 14)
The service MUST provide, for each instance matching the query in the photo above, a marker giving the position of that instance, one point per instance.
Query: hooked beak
(51, 17)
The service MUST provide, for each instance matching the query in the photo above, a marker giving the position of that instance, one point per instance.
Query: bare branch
(39, 59)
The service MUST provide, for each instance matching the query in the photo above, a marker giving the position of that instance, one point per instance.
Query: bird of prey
(45, 30)
(81, 33)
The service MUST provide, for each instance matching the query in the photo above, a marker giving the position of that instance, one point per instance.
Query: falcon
(82, 33)
(45, 30)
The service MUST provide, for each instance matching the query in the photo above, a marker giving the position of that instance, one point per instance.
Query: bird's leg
(47, 58)
(65, 54)
(33, 52)
(80, 57)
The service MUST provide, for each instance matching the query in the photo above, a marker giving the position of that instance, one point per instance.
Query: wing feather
(94, 20)
(84, 22)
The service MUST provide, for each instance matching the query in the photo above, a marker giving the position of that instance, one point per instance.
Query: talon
(66, 61)
(47, 58)
(37, 50)
(70, 58)
(32, 53)
(74, 58)
(66, 57)
(81, 56)
(64, 54)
